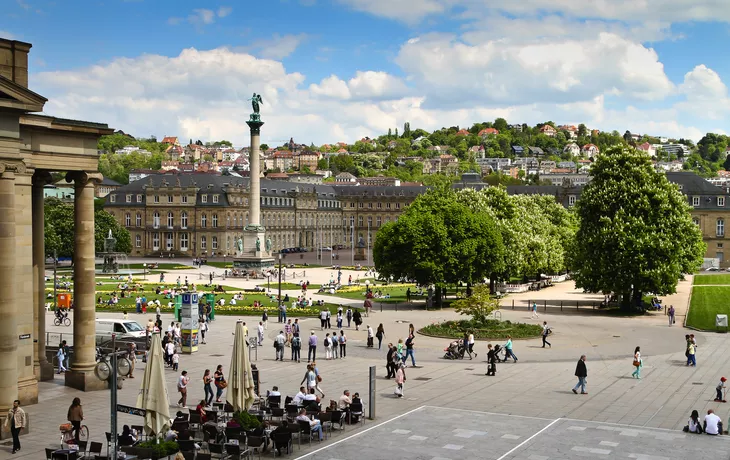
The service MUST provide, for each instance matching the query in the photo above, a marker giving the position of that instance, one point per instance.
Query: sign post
(371, 394)
(189, 317)
(113, 382)
(129, 410)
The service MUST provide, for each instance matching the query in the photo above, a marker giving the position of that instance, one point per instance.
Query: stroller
(499, 350)
(455, 350)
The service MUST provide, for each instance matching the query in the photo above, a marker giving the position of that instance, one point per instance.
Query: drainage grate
(218, 356)
(469, 369)
(693, 383)
(422, 378)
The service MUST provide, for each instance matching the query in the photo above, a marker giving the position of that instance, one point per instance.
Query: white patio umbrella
(153, 395)
(240, 379)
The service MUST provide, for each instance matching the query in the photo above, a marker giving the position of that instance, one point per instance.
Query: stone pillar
(81, 376)
(23, 285)
(254, 173)
(8, 325)
(42, 369)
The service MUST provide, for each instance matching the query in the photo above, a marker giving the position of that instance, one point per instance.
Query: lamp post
(144, 270)
(280, 303)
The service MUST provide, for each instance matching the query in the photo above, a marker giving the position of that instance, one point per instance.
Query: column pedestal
(81, 376)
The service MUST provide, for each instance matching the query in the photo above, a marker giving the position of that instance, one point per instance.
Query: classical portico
(31, 147)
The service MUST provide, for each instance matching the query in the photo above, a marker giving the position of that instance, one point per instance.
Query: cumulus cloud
(202, 16)
(408, 11)
(368, 85)
(276, 47)
(706, 95)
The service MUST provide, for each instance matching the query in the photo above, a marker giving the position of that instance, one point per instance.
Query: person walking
(348, 315)
(203, 329)
(582, 373)
(318, 378)
(670, 313)
(400, 380)
(508, 349)
(470, 342)
(296, 347)
(220, 382)
(66, 354)
(357, 319)
(491, 361)
(280, 340)
(327, 347)
(75, 416)
(339, 318)
(265, 319)
(691, 359)
(15, 421)
(208, 387)
(534, 311)
(371, 335)
(638, 364)
(288, 332)
(545, 332)
(261, 333)
(182, 388)
(343, 344)
(61, 359)
(720, 390)
(322, 319)
(328, 319)
(380, 333)
(310, 378)
(312, 353)
(390, 361)
(409, 351)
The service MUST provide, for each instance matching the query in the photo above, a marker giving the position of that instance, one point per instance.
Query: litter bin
(721, 322)
(63, 300)
(210, 300)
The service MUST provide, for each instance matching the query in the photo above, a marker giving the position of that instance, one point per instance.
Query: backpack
(326, 342)
(296, 342)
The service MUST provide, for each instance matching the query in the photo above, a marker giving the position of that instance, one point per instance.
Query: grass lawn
(290, 286)
(397, 293)
(706, 302)
(221, 264)
(711, 279)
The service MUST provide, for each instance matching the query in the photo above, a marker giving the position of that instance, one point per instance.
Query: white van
(124, 328)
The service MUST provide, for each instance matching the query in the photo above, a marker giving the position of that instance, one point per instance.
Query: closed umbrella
(240, 380)
(153, 392)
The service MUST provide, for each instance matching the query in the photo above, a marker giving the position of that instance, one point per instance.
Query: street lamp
(144, 270)
(280, 316)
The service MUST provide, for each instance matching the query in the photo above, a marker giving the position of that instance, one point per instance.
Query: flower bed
(492, 329)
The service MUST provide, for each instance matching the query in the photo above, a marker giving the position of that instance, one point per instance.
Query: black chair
(202, 456)
(256, 444)
(356, 409)
(325, 420)
(282, 440)
(291, 412)
(188, 455)
(273, 401)
(338, 417)
(49, 453)
(108, 442)
(186, 446)
(233, 451)
(95, 448)
(216, 449)
(233, 432)
(305, 430)
(288, 400)
(277, 412)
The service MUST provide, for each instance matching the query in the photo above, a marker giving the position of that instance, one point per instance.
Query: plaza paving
(537, 386)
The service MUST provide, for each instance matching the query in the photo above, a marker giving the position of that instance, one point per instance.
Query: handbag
(319, 378)
(637, 363)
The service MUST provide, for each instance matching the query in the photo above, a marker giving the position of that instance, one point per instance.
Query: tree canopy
(60, 229)
(635, 235)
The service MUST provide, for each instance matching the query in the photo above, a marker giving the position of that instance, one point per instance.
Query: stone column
(81, 376)
(23, 285)
(254, 173)
(8, 325)
(42, 369)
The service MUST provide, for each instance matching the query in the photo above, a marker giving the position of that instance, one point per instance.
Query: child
(400, 379)
(721, 390)
(175, 360)
(125, 314)
(491, 360)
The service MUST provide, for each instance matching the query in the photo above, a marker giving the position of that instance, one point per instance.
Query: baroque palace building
(203, 214)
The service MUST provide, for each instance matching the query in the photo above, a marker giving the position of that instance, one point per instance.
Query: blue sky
(338, 70)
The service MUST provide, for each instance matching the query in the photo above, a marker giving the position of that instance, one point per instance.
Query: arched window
(156, 219)
(170, 219)
(203, 221)
(184, 220)
(215, 221)
(127, 220)
(720, 227)
(139, 220)
(203, 243)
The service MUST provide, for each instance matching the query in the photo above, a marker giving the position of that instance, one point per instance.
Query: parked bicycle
(67, 434)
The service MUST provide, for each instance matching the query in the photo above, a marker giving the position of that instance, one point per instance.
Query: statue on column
(255, 101)
(240, 245)
(258, 244)
(268, 244)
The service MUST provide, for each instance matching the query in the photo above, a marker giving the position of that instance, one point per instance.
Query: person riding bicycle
(61, 314)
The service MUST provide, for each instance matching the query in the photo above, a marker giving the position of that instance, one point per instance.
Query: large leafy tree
(636, 235)
(439, 240)
(59, 229)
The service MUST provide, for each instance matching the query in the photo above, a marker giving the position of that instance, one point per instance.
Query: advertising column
(189, 317)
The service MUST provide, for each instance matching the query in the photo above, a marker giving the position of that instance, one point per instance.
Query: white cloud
(276, 47)
(366, 86)
(558, 71)
(408, 11)
(706, 94)
(332, 87)
(224, 11)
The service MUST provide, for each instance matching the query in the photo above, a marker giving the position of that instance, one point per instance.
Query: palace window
(156, 220)
(156, 241)
(138, 241)
(203, 221)
(138, 220)
(170, 220)
(129, 198)
(721, 201)
(184, 220)
(203, 243)
(214, 243)
(720, 227)
(215, 221)
(127, 220)
(183, 241)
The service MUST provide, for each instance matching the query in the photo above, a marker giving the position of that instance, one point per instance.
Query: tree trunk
(492, 283)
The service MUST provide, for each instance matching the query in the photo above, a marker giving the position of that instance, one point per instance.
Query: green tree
(103, 223)
(500, 124)
(342, 163)
(635, 235)
(264, 147)
(439, 240)
(582, 130)
(479, 305)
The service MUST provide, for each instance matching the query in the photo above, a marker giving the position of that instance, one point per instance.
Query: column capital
(17, 167)
(84, 177)
(42, 177)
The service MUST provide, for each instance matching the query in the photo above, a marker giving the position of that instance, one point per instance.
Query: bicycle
(62, 320)
(67, 434)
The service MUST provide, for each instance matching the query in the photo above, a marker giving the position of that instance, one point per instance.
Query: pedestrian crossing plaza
(435, 433)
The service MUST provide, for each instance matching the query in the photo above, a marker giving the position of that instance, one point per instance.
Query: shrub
(489, 329)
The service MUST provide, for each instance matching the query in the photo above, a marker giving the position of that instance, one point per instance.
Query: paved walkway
(537, 386)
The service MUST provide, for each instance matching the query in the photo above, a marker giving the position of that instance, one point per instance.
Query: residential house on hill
(647, 148)
(590, 151)
(345, 178)
(548, 130)
(516, 128)
(488, 132)
(535, 151)
(572, 149)
(518, 150)
(462, 132)
(571, 131)
(171, 140)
